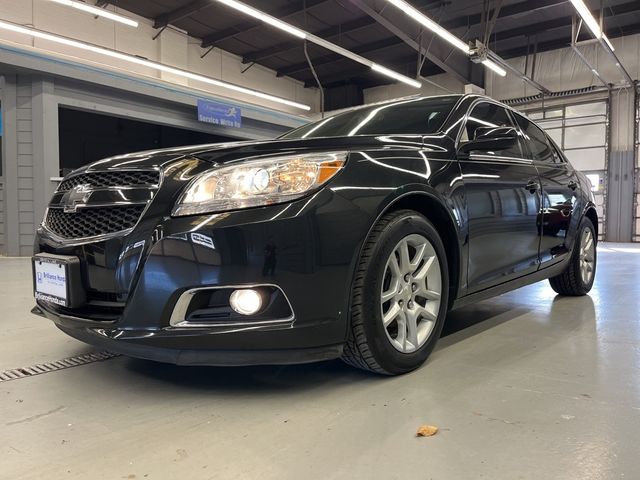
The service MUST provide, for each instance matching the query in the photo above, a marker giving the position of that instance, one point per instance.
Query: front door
(503, 201)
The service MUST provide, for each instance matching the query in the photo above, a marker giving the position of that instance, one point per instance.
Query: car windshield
(413, 116)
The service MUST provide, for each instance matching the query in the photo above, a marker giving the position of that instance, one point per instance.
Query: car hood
(220, 153)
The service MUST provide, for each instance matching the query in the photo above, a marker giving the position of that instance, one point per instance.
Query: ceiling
(521, 26)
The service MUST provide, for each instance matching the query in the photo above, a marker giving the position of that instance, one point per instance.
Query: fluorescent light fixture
(430, 24)
(421, 18)
(98, 11)
(591, 22)
(495, 67)
(390, 73)
(606, 39)
(274, 22)
(246, 9)
(147, 63)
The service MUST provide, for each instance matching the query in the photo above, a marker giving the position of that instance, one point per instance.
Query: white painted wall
(562, 69)
(172, 47)
(442, 84)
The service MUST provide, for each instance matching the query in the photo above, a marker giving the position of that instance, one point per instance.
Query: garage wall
(561, 70)
(172, 47)
(434, 85)
(636, 205)
(2, 244)
(24, 129)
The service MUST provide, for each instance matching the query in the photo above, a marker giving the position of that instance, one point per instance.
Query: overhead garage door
(580, 129)
(636, 190)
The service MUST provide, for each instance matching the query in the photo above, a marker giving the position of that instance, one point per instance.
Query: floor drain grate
(41, 368)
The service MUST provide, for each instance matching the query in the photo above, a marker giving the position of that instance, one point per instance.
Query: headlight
(258, 182)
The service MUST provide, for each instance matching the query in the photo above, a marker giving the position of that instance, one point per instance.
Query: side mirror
(491, 138)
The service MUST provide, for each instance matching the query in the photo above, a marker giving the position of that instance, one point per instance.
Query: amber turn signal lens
(328, 170)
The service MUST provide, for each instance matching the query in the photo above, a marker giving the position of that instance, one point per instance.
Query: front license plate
(51, 280)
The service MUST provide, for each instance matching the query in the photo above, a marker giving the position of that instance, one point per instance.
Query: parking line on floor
(48, 367)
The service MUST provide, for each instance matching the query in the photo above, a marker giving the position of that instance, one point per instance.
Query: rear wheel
(400, 295)
(578, 277)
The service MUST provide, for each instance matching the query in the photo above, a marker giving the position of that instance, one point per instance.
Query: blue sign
(219, 113)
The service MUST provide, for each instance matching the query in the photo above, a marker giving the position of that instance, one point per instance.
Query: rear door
(503, 201)
(559, 193)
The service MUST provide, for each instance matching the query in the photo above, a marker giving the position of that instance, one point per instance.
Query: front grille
(89, 222)
(112, 179)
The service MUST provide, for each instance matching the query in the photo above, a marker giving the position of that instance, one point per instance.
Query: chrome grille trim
(102, 181)
(94, 221)
(105, 179)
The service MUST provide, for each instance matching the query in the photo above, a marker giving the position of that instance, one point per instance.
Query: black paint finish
(504, 232)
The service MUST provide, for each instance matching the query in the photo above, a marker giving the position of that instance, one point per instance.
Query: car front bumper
(138, 279)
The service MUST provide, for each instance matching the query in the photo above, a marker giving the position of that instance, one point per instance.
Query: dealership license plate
(51, 280)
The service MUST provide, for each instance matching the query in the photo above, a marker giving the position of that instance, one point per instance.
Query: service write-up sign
(219, 113)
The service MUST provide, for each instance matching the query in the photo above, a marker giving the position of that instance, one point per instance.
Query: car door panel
(557, 215)
(503, 202)
(502, 215)
(559, 192)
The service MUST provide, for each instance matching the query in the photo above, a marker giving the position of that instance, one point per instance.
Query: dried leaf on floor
(427, 431)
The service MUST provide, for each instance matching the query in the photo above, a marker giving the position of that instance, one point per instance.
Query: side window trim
(559, 153)
(546, 137)
(524, 146)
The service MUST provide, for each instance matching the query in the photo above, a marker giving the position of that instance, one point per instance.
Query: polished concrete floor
(524, 386)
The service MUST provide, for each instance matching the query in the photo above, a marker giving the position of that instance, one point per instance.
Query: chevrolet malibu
(351, 237)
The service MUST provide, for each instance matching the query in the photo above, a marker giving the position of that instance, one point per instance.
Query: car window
(539, 147)
(419, 116)
(490, 115)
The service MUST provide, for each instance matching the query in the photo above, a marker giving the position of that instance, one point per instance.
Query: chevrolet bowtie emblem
(77, 196)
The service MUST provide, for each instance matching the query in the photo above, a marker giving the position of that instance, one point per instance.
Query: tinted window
(490, 115)
(539, 147)
(416, 116)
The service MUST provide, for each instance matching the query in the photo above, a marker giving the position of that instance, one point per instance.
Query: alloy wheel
(410, 293)
(587, 256)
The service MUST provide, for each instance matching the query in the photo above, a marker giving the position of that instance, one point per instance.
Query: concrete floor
(524, 386)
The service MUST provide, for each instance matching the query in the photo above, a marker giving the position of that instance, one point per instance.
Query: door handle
(532, 186)
(572, 185)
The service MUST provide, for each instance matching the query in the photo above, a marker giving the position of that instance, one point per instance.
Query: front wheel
(400, 295)
(578, 277)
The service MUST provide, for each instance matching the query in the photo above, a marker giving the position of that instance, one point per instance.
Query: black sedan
(351, 237)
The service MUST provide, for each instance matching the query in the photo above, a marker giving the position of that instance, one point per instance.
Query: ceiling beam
(283, 12)
(560, 22)
(622, 30)
(334, 57)
(403, 64)
(459, 66)
(520, 8)
(325, 33)
(180, 13)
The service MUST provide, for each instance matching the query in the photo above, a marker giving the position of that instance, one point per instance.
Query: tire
(572, 281)
(371, 345)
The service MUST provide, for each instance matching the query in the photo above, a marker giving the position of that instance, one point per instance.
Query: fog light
(245, 302)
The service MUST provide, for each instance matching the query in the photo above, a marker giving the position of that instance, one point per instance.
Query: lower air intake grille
(89, 222)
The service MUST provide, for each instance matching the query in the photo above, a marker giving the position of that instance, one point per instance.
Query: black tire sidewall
(386, 355)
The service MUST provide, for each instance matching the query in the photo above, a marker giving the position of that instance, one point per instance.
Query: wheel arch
(434, 209)
(592, 215)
